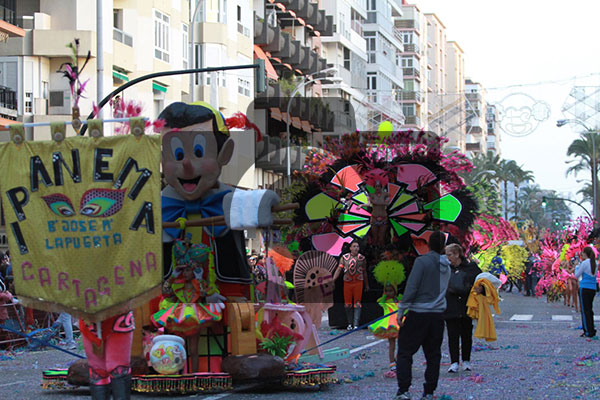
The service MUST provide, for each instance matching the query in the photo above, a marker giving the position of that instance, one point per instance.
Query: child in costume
(182, 312)
(390, 274)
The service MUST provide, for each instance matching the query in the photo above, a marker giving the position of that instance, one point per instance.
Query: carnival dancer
(354, 266)
(390, 274)
(378, 201)
(458, 324)
(586, 273)
(182, 312)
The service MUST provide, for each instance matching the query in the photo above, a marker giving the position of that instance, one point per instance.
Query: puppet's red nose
(188, 169)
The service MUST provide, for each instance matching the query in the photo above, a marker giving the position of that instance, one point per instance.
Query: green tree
(582, 149)
(519, 176)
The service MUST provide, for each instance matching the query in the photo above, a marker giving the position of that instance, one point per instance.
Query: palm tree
(587, 192)
(582, 149)
(504, 175)
(519, 176)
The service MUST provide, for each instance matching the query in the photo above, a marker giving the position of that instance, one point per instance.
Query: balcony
(474, 147)
(411, 96)
(412, 120)
(474, 129)
(407, 72)
(122, 37)
(8, 99)
(270, 154)
(407, 24)
(474, 97)
(412, 48)
(357, 26)
(51, 42)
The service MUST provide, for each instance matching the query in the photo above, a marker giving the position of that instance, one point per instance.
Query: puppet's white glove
(215, 302)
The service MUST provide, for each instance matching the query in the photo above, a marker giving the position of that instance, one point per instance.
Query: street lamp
(545, 203)
(192, 54)
(288, 119)
(563, 122)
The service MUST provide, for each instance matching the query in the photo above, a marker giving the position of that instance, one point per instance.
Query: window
(407, 62)
(161, 36)
(347, 58)
(244, 87)
(371, 48)
(240, 27)
(186, 45)
(29, 102)
(198, 61)
(372, 86)
(409, 109)
(118, 19)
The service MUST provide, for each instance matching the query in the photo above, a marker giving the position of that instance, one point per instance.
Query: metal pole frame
(159, 74)
(572, 201)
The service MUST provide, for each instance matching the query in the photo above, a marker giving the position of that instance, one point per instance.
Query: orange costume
(353, 278)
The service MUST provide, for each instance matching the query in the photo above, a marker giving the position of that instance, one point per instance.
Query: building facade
(31, 63)
(476, 128)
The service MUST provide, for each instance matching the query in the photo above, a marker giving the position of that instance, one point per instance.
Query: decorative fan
(313, 281)
(407, 210)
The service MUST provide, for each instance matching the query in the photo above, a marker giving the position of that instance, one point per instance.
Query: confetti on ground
(587, 361)
(483, 347)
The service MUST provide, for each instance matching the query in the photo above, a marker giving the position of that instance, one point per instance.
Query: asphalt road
(538, 355)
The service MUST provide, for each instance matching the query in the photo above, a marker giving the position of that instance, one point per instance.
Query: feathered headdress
(389, 272)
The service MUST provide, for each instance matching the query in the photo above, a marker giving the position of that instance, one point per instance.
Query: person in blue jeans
(586, 273)
(66, 321)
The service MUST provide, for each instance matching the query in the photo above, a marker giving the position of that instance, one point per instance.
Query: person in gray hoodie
(421, 317)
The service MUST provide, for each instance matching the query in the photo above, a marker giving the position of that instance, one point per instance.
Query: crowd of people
(7, 298)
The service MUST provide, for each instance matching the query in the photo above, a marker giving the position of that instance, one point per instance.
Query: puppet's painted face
(191, 161)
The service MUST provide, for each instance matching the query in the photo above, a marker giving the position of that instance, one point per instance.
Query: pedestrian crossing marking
(562, 318)
(521, 317)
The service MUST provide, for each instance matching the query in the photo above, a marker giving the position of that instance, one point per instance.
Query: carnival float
(181, 273)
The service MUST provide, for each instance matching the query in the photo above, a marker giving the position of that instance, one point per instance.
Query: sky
(525, 42)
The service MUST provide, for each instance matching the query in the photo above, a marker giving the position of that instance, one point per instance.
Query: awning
(296, 123)
(306, 127)
(120, 76)
(159, 87)
(271, 73)
(301, 21)
(281, 6)
(11, 30)
(5, 121)
(276, 114)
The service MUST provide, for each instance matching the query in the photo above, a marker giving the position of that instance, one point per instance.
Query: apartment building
(288, 36)
(411, 27)
(384, 71)
(476, 128)
(454, 126)
(224, 36)
(493, 129)
(346, 51)
(32, 62)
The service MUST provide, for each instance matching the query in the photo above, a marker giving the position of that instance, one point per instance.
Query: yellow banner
(83, 219)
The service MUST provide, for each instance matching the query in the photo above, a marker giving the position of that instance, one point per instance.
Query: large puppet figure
(196, 146)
